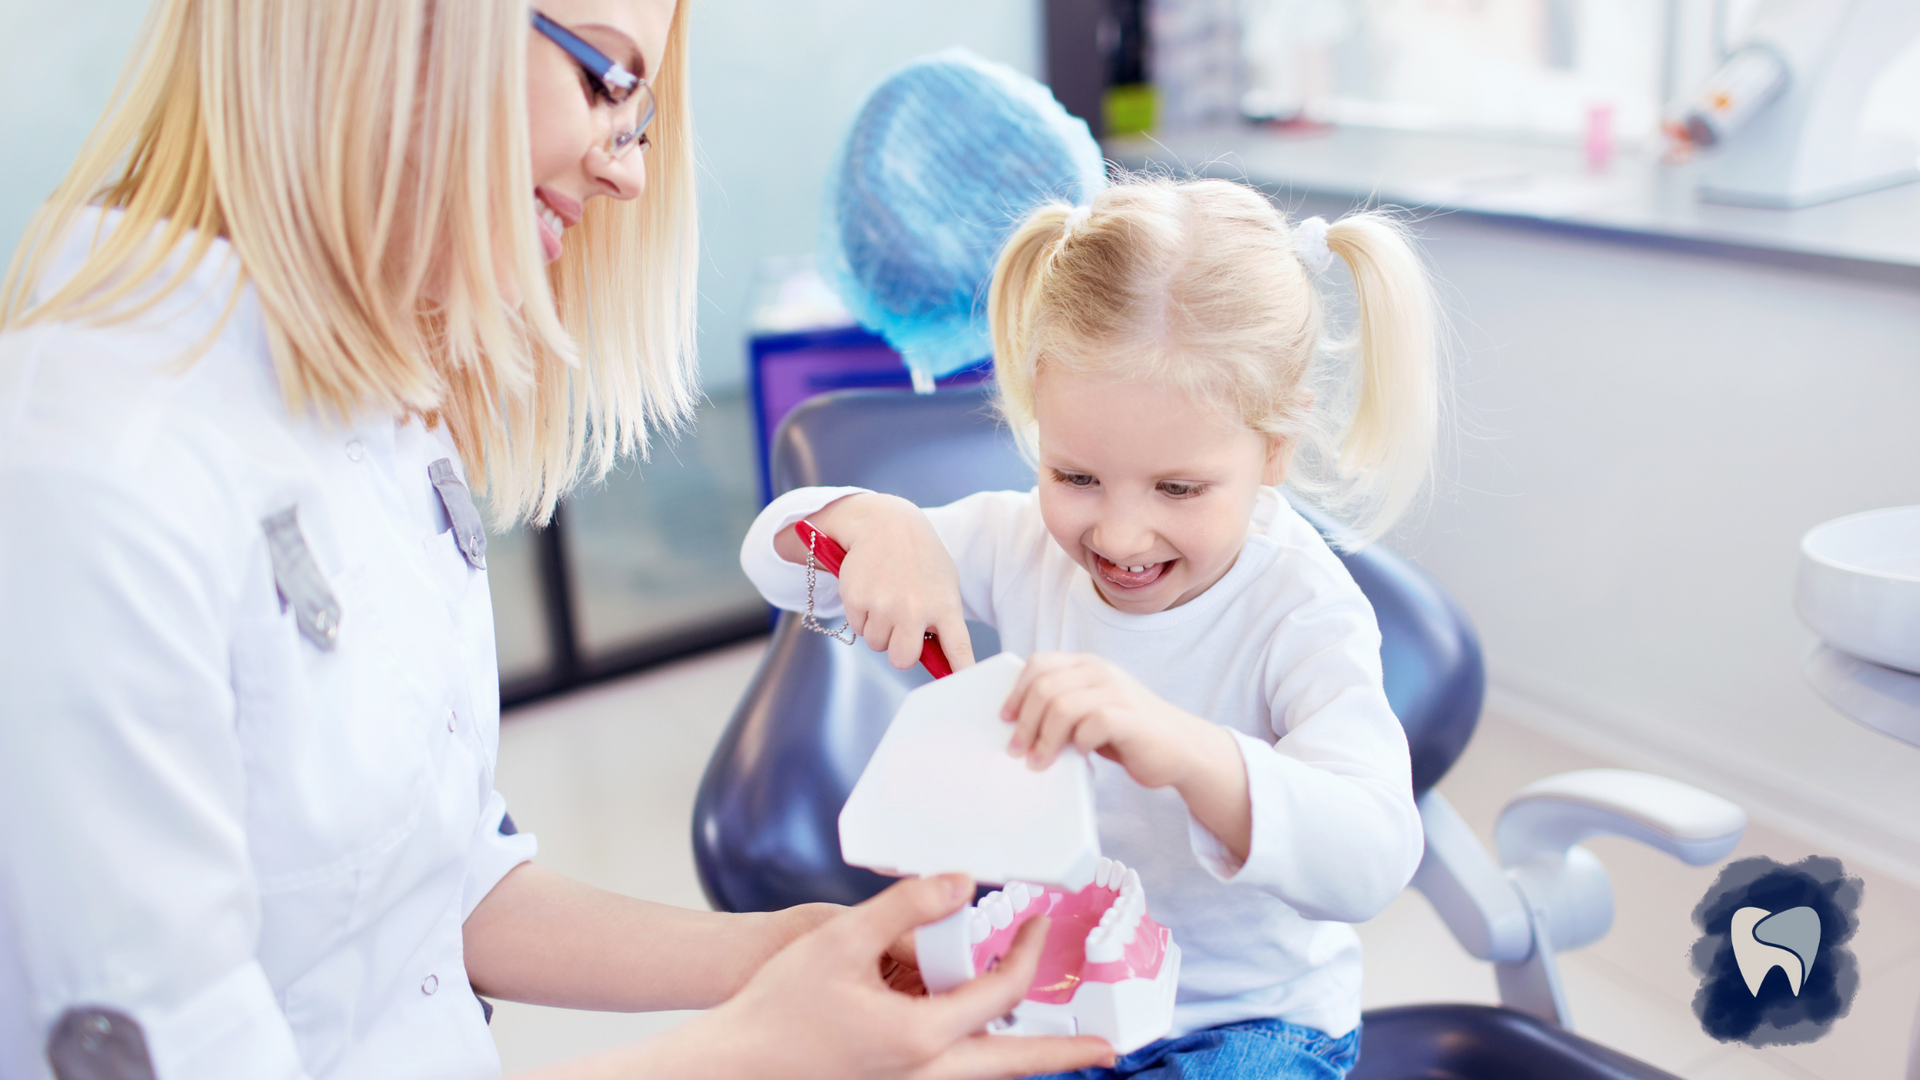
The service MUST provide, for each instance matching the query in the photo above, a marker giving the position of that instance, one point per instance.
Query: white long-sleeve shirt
(260, 850)
(1284, 652)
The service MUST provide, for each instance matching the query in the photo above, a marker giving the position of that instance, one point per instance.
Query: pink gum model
(1107, 968)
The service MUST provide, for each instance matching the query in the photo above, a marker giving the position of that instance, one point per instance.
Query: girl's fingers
(877, 632)
(1037, 665)
(1040, 696)
(955, 642)
(1065, 718)
(1039, 681)
(903, 648)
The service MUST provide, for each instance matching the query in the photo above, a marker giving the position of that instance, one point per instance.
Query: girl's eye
(1180, 490)
(1071, 479)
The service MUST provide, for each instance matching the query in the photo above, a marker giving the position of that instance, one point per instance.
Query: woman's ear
(1279, 460)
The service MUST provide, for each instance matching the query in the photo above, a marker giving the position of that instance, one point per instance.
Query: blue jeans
(1249, 1050)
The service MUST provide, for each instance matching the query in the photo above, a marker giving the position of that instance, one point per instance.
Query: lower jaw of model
(1107, 967)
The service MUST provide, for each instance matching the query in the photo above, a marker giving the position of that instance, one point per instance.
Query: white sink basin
(1859, 586)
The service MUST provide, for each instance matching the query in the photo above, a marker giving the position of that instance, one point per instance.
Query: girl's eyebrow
(636, 61)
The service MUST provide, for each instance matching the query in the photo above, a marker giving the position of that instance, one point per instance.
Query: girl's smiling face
(1149, 489)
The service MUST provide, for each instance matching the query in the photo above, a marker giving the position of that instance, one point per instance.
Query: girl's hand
(821, 1009)
(897, 581)
(1082, 700)
(1079, 699)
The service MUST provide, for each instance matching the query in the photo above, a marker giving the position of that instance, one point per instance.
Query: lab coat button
(356, 450)
(453, 718)
(431, 984)
(91, 1041)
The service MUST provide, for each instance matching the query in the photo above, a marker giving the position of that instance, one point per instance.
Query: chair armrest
(1552, 815)
(1539, 833)
(1471, 894)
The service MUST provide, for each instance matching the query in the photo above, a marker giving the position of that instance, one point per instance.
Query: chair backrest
(765, 829)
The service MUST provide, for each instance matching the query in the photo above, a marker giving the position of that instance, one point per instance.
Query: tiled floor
(607, 777)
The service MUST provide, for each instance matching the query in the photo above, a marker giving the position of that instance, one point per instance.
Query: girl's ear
(1279, 460)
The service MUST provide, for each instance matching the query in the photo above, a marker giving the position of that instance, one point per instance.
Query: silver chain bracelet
(844, 635)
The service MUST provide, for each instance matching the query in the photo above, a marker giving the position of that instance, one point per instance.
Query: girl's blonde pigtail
(1387, 448)
(1013, 302)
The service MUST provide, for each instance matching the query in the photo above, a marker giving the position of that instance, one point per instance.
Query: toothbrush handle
(830, 555)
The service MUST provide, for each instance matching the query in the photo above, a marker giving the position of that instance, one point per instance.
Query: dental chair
(765, 829)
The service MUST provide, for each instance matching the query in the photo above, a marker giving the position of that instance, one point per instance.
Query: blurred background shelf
(640, 569)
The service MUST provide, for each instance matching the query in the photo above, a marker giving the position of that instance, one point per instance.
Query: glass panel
(656, 549)
(520, 632)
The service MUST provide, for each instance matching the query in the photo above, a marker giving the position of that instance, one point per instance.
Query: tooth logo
(1760, 914)
(1764, 940)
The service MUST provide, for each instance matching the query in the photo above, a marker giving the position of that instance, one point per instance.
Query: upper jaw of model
(1107, 968)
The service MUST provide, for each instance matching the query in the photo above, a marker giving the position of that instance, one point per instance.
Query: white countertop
(1636, 198)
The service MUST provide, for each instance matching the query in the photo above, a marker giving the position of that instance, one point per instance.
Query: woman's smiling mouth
(553, 212)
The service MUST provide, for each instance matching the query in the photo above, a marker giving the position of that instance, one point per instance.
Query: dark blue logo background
(1798, 977)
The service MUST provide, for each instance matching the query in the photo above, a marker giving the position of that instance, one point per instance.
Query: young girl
(1157, 352)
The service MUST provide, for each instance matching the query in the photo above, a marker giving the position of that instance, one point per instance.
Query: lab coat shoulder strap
(298, 579)
(468, 531)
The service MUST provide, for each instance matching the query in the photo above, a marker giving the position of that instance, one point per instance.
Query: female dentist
(324, 268)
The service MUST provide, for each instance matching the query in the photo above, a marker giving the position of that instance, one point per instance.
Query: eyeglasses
(628, 94)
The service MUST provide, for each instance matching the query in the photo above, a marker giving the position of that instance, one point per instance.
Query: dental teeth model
(1107, 968)
(940, 794)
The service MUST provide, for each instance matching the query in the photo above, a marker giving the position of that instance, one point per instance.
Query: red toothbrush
(830, 554)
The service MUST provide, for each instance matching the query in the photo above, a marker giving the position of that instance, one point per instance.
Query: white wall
(1647, 435)
(58, 63)
(775, 83)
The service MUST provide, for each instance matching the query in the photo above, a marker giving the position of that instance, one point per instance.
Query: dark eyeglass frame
(607, 77)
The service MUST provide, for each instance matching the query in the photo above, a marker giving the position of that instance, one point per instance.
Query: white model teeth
(999, 910)
(1121, 921)
(979, 928)
(1018, 895)
(1102, 948)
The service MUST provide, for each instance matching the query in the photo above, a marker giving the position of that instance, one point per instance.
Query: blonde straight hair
(359, 155)
(1198, 284)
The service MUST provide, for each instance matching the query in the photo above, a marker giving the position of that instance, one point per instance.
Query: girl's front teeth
(547, 215)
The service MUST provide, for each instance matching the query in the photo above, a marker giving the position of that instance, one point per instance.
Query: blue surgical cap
(944, 159)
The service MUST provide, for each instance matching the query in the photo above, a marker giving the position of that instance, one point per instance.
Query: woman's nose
(624, 177)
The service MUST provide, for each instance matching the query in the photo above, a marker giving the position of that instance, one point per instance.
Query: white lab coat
(261, 851)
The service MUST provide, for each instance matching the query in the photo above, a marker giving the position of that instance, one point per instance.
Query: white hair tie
(1310, 244)
(1075, 219)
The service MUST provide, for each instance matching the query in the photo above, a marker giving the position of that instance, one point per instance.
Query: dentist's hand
(897, 581)
(820, 1008)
